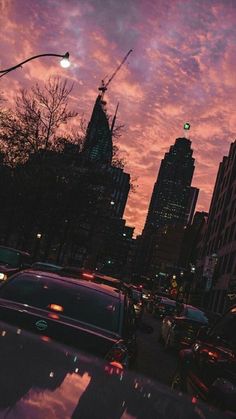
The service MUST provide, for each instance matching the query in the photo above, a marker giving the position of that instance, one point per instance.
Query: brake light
(87, 275)
(117, 365)
(56, 307)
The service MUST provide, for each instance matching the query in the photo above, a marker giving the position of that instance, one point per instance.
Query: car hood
(41, 379)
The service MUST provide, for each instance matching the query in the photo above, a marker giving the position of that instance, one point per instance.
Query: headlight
(3, 276)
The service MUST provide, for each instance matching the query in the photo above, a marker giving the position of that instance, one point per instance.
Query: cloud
(182, 69)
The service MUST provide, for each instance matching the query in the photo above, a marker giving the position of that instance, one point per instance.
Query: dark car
(84, 274)
(98, 278)
(46, 267)
(164, 307)
(182, 326)
(41, 379)
(12, 261)
(208, 369)
(90, 317)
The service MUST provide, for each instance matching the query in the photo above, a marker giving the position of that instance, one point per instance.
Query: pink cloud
(182, 69)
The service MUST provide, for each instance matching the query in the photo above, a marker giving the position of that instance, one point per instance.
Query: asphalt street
(154, 361)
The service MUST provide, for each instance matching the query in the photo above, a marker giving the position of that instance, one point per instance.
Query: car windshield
(196, 315)
(72, 300)
(9, 257)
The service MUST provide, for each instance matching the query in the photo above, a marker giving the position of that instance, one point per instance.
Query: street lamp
(65, 63)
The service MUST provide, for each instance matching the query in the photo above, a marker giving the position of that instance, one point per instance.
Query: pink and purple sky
(182, 69)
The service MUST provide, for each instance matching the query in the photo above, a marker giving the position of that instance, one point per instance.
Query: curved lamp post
(65, 63)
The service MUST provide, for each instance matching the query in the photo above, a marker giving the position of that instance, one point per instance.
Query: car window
(75, 301)
(196, 315)
(136, 295)
(224, 330)
(9, 257)
(46, 267)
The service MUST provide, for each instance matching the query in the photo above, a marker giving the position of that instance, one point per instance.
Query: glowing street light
(65, 63)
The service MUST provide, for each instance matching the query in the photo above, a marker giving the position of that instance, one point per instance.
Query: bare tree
(34, 126)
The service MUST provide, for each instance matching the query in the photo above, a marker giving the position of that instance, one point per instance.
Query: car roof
(193, 308)
(102, 288)
(53, 265)
(82, 271)
(108, 278)
(15, 250)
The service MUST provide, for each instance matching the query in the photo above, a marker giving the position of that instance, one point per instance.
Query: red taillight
(87, 275)
(56, 307)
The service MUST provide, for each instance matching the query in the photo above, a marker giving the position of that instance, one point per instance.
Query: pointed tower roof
(98, 140)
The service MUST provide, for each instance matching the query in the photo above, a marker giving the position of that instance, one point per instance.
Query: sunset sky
(183, 68)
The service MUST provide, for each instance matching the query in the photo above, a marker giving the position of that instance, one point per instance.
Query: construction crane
(104, 85)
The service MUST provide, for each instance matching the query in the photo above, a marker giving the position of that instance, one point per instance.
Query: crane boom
(104, 85)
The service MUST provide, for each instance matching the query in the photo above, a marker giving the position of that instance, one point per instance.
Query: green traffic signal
(186, 126)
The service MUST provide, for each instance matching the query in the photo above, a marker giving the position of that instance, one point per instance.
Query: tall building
(173, 199)
(98, 139)
(98, 148)
(171, 208)
(107, 243)
(219, 257)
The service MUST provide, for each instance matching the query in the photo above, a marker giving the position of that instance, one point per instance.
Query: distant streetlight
(39, 235)
(65, 63)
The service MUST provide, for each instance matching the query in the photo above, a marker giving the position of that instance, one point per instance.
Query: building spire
(114, 119)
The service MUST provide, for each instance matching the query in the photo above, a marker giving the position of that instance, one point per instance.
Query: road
(154, 360)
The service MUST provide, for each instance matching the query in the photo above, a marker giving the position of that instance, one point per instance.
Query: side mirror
(203, 333)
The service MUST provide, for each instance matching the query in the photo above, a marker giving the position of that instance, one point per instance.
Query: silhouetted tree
(39, 113)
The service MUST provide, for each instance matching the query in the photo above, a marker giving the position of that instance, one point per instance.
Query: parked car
(88, 316)
(96, 277)
(46, 267)
(208, 369)
(12, 261)
(164, 307)
(42, 379)
(181, 327)
(85, 274)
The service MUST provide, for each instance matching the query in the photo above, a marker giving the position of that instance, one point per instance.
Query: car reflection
(41, 379)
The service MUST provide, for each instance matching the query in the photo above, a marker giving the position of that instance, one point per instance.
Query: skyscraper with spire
(173, 199)
(171, 208)
(98, 139)
(98, 149)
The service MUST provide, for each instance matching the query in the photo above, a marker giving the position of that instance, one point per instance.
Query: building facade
(171, 208)
(219, 258)
(173, 199)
